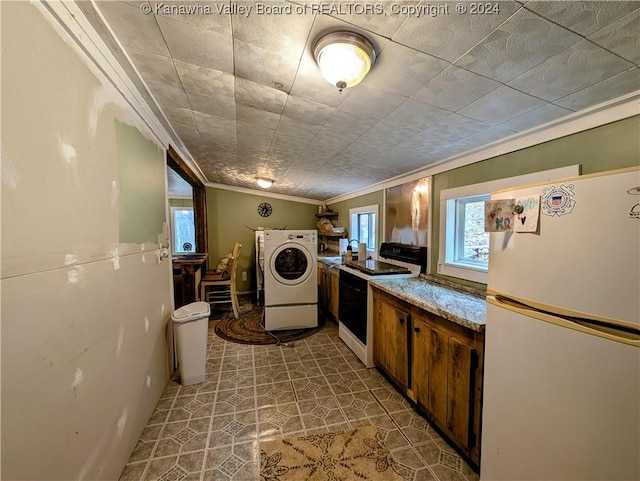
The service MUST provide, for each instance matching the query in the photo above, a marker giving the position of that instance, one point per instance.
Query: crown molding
(605, 113)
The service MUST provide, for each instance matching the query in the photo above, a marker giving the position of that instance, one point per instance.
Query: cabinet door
(334, 289)
(392, 345)
(321, 291)
(326, 292)
(385, 331)
(379, 345)
(322, 271)
(421, 342)
(461, 365)
(401, 365)
(437, 366)
(444, 369)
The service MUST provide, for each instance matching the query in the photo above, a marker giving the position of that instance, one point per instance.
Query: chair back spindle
(218, 288)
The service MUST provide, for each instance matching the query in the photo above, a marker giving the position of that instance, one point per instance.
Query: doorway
(199, 198)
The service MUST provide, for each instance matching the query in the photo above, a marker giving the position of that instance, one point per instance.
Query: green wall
(141, 186)
(368, 199)
(228, 213)
(608, 147)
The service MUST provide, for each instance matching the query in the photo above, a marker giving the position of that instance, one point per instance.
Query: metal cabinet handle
(416, 329)
(401, 320)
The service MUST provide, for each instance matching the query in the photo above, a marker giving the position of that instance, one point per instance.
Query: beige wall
(231, 216)
(84, 314)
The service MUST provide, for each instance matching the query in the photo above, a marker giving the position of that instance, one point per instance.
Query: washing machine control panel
(304, 237)
(278, 237)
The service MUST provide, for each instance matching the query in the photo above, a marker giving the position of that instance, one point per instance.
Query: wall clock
(265, 209)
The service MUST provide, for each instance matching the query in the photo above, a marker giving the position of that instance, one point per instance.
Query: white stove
(356, 298)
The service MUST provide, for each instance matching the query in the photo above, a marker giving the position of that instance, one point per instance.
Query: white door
(558, 404)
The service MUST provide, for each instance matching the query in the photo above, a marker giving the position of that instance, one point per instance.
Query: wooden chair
(220, 287)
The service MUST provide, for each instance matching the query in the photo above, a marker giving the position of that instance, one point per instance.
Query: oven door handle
(355, 289)
(352, 288)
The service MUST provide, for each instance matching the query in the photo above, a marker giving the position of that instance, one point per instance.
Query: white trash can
(191, 324)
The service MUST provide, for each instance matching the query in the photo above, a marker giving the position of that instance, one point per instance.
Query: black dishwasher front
(352, 304)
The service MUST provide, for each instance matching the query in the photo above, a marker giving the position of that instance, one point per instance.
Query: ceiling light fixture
(264, 183)
(344, 58)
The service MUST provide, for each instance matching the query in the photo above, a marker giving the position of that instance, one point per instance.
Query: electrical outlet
(244, 275)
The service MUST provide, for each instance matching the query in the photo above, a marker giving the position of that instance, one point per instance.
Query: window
(466, 249)
(366, 229)
(183, 228)
(471, 242)
(362, 226)
(464, 246)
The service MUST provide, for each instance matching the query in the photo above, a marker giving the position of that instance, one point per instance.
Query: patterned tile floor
(211, 431)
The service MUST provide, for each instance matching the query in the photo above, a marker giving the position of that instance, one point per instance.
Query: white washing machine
(290, 279)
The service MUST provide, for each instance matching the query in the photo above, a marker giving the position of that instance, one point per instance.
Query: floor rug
(247, 329)
(348, 455)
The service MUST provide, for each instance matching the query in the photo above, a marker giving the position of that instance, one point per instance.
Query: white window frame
(455, 223)
(353, 219)
(173, 229)
(447, 264)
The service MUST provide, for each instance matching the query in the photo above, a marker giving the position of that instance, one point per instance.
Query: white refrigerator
(561, 396)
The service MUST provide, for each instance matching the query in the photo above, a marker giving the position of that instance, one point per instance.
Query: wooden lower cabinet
(461, 364)
(323, 292)
(334, 288)
(437, 363)
(328, 286)
(390, 330)
(320, 271)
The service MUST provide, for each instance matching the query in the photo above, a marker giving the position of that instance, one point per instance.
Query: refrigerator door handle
(613, 332)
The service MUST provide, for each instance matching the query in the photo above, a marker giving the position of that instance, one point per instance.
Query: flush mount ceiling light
(344, 58)
(264, 183)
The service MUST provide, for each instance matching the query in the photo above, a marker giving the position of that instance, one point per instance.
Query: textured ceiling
(245, 98)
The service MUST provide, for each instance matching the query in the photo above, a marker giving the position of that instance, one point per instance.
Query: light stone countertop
(331, 260)
(456, 306)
